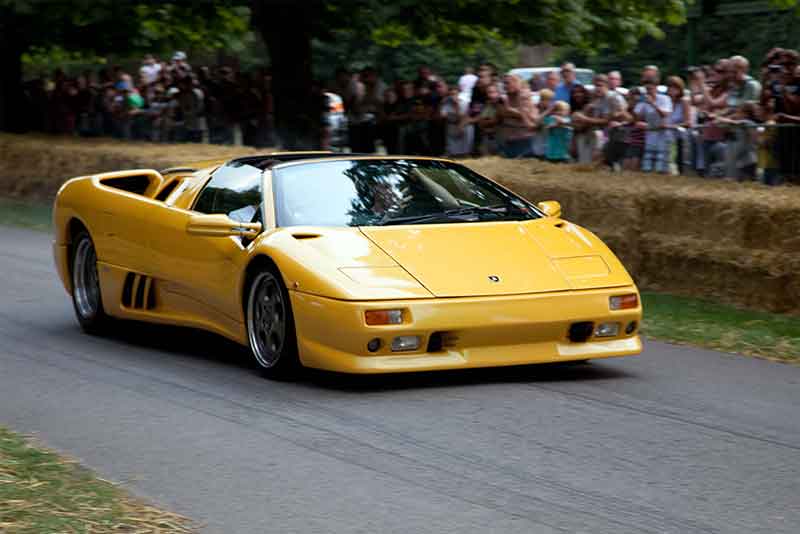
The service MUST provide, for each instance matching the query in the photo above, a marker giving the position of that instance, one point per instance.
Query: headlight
(405, 343)
(606, 330)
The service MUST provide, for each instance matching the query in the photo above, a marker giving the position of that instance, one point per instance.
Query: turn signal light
(378, 317)
(623, 302)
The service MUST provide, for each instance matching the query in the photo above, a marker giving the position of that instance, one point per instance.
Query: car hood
(500, 258)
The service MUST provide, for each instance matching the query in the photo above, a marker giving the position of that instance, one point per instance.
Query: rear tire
(270, 326)
(86, 295)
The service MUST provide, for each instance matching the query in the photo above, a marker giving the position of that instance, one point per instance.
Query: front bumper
(476, 332)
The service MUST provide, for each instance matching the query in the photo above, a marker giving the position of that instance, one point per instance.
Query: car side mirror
(551, 208)
(220, 225)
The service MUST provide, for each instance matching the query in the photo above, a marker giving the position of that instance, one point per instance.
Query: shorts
(634, 151)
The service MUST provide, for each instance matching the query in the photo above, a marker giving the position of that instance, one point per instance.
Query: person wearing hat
(128, 105)
(178, 65)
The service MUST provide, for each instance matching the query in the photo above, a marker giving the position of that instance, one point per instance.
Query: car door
(152, 239)
(210, 267)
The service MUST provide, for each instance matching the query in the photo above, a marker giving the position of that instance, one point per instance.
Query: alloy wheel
(266, 319)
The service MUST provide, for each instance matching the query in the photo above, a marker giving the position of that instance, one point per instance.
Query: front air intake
(435, 343)
(581, 332)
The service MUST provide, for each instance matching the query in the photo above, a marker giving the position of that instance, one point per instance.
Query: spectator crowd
(165, 101)
(718, 121)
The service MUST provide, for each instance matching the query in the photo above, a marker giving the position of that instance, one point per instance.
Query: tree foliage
(581, 23)
(716, 37)
(401, 60)
(289, 26)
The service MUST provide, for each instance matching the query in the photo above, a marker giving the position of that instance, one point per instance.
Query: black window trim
(263, 205)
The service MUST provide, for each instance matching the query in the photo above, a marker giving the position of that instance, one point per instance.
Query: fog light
(607, 330)
(623, 302)
(405, 343)
(377, 317)
(631, 327)
(374, 345)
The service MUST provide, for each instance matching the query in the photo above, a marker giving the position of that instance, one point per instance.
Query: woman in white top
(681, 120)
(459, 134)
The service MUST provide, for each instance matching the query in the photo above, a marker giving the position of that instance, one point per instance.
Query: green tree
(716, 37)
(401, 61)
(106, 26)
(288, 28)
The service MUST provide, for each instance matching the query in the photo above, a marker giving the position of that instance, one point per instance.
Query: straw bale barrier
(737, 243)
(35, 166)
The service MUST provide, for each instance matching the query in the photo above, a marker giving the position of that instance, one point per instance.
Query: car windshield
(378, 192)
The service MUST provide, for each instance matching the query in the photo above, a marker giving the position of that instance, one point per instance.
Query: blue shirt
(563, 91)
(558, 140)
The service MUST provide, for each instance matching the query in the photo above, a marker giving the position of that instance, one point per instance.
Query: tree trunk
(286, 27)
(11, 95)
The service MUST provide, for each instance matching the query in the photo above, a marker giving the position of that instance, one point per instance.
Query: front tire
(270, 326)
(86, 296)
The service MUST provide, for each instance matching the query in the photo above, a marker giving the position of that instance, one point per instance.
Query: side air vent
(138, 292)
(166, 190)
(132, 184)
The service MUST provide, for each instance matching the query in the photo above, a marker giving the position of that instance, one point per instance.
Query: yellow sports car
(360, 264)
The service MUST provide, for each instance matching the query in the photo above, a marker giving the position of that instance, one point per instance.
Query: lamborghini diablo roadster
(359, 264)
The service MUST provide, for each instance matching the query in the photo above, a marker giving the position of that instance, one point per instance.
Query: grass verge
(43, 492)
(667, 317)
(36, 215)
(702, 323)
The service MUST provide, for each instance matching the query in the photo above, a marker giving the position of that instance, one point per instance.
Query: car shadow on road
(181, 341)
(219, 350)
(536, 373)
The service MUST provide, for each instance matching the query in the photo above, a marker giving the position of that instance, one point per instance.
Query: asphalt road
(678, 440)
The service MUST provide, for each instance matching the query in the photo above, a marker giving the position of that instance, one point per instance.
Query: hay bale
(757, 279)
(35, 166)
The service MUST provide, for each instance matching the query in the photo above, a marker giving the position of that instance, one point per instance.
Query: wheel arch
(73, 227)
(258, 263)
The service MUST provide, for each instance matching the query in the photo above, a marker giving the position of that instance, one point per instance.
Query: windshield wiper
(443, 216)
(469, 210)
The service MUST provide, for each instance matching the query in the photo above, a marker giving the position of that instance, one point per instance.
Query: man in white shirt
(467, 81)
(149, 70)
(653, 110)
